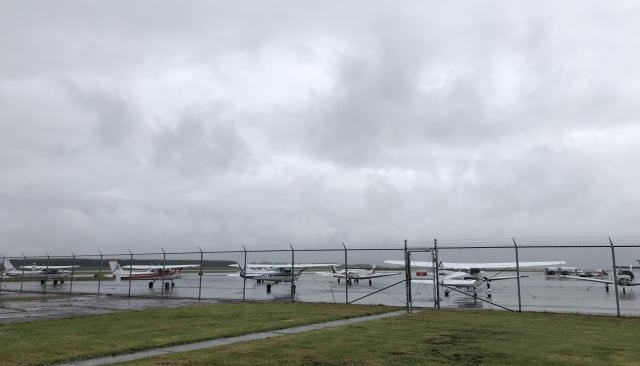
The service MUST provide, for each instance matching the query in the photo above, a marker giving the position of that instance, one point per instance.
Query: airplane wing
(381, 274)
(505, 277)
(451, 282)
(497, 266)
(500, 265)
(159, 266)
(49, 267)
(331, 274)
(288, 265)
(589, 279)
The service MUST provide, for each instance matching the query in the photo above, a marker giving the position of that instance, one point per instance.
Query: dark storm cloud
(146, 125)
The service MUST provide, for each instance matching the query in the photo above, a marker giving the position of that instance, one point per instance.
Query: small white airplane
(355, 275)
(275, 273)
(626, 278)
(44, 273)
(471, 276)
(151, 273)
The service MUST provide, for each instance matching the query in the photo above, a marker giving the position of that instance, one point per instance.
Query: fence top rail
(540, 246)
(399, 247)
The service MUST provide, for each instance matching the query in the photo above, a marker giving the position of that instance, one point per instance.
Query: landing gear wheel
(61, 282)
(624, 291)
(42, 282)
(166, 285)
(446, 293)
(150, 284)
(55, 282)
(370, 283)
(268, 288)
(173, 284)
(606, 287)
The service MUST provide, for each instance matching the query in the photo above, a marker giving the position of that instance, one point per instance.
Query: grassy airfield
(53, 341)
(440, 338)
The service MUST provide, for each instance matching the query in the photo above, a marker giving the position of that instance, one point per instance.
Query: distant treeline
(95, 263)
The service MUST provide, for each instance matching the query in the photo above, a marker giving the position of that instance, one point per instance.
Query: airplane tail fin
(117, 271)
(333, 269)
(241, 270)
(373, 269)
(8, 267)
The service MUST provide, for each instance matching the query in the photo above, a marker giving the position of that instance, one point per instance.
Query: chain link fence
(555, 275)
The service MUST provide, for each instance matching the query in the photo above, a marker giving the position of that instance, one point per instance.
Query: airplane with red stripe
(151, 273)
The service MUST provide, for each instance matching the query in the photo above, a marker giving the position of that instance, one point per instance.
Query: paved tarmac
(63, 307)
(538, 293)
(226, 341)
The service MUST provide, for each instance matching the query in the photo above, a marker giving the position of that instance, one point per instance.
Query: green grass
(440, 338)
(53, 341)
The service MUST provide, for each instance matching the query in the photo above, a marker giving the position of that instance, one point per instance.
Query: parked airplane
(470, 276)
(626, 278)
(275, 273)
(151, 273)
(55, 273)
(355, 275)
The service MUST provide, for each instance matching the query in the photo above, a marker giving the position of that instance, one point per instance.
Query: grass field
(440, 338)
(53, 341)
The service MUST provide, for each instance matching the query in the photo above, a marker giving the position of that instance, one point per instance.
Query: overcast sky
(177, 124)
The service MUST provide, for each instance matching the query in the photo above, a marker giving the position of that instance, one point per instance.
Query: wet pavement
(62, 307)
(538, 293)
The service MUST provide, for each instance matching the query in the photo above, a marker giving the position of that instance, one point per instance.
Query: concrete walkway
(226, 341)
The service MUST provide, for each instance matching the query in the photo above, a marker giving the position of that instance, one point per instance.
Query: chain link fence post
(436, 272)
(24, 263)
(407, 275)
(200, 274)
(244, 278)
(615, 275)
(346, 275)
(2, 274)
(164, 273)
(293, 274)
(515, 245)
(99, 274)
(130, 271)
(45, 274)
(73, 267)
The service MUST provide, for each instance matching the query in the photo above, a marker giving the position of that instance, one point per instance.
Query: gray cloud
(146, 125)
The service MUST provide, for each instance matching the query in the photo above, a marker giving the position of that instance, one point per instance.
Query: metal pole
(346, 276)
(24, 261)
(293, 274)
(200, 274)
(2, 274)
(100, 274)
(407, 274)
(615, 276)
(73, 265)
(130, 270)
(435, 286)
(518, 274)
(164, 273)
(437, 272)
(45, 274)
(244, 278)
